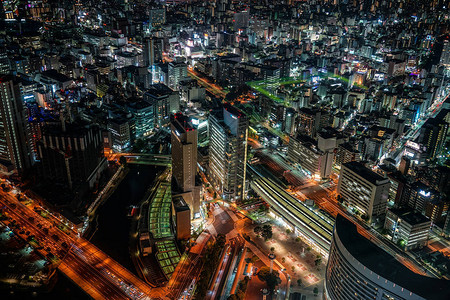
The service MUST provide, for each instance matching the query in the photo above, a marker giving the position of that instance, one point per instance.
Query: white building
(408, 228)
(364, 189)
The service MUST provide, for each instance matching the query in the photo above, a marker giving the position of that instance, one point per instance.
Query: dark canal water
(113, 224)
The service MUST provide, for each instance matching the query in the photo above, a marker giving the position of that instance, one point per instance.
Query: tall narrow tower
(15, 139)
(228, 151)
(184, 158)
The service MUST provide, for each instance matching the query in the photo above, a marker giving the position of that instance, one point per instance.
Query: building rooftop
(366, 173)
(380, 262)
(409, 216)
(182, 122)
(158, 90)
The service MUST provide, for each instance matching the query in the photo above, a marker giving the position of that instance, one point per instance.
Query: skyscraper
(184, 158)
(177, 72)
(152, 51)
(15, 153)
(184, 151)
(228, 151)
(72, 154)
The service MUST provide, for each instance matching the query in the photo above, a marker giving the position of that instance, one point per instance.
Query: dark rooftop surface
(364, 172)
(409, 216)
(385, 265)
(159, 90)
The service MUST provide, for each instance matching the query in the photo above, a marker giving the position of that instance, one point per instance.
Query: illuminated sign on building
(424, 193)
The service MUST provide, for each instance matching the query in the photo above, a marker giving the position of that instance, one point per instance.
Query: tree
(122, 160)
(267, 232)
(272, 249)
(288, 231)
(299, 282)
(318, 261)
(316, 291)
(258, 230)
(297, 239)
(271, 279)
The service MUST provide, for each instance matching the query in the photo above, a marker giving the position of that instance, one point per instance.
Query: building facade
(353, 274)
(407, 228)
(363, 190)
(228, 151)
(15, 139)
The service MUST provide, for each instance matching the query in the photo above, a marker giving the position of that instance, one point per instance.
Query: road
(210, 87)
(90, 268)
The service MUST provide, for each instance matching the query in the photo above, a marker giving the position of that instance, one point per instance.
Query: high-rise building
(311, 121)
(184, 152)
(15, 139)
(305, 151)
(426, 200)
(364, 190)
(164, 101)
(72, 153)
(153, 48)
(143, 117)
(157, 17)
(184, 159)
(359, 269)
(120, 133)
(445, 55)
(5, 67)
(228, 151)
(407, 228)
(345, 153)
(177, 73)
(433, 135)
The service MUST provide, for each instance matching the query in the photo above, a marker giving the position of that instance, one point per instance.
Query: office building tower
(184, 159)
(15, 139)
(184, 151)
(164, 101)
(445, 55)
(407, 228)
(364, 190)
(143, 113)
(433, 135)
(120, 133)
(72, 153)
(228, 151)
(311, 121)
(177, 73)
(359, 269)
(153, 48)
(345, 153)
(241, 20)
(426, 200)
(157, 17)
(316, 162)
(5, 67)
